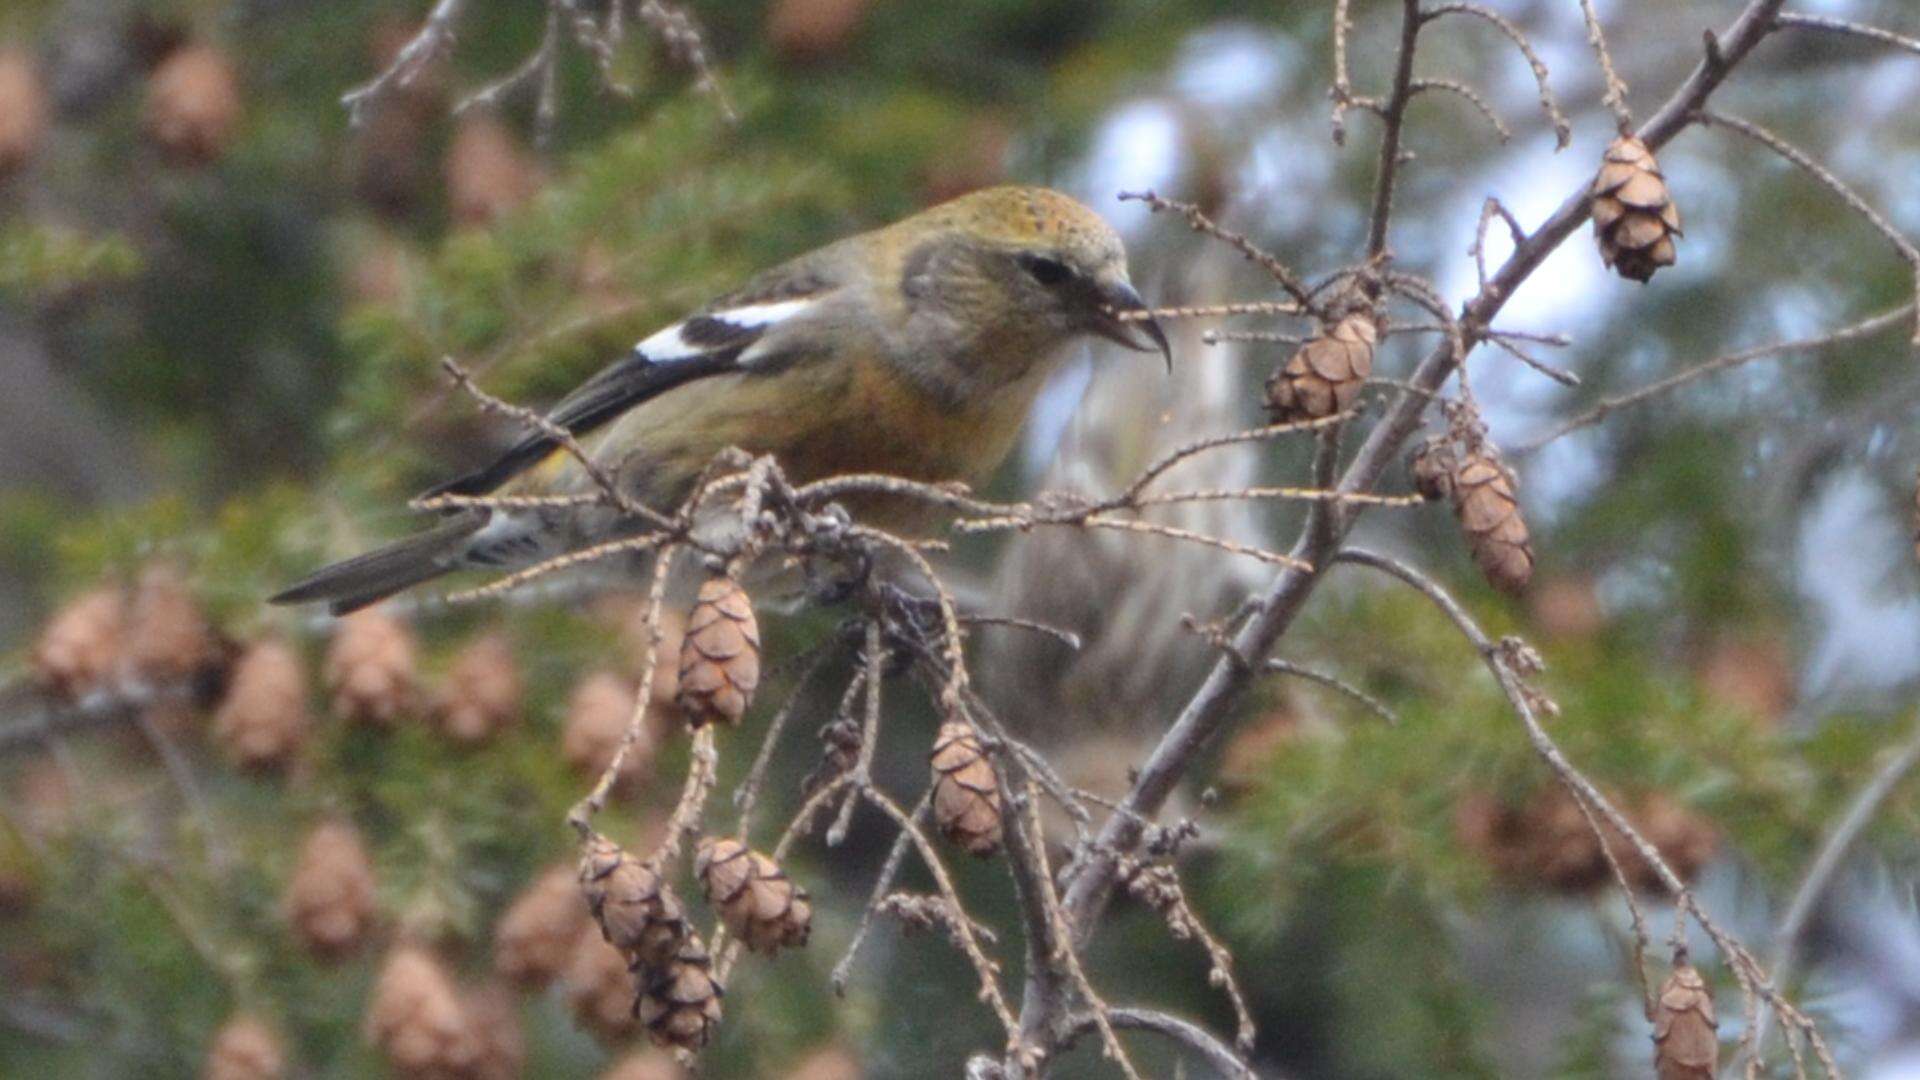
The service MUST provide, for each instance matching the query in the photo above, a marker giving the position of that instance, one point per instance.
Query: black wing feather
(636, 378)
(612, 391)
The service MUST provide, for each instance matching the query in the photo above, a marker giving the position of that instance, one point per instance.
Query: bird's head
(1051, 261)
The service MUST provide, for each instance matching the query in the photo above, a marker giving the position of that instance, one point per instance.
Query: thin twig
(1562, 130)
(1470, 96)
(581, 816)
(1368, 701)
(1342, 91)
(1826, 864)
(874, 656)
(1794, 20)
(1615, 99)
(1393, 120)
(987, 970)
(432, 42)
(1211, 1050)
(882, 886)
(1832, 183)
(1198, 220)
(747, 795)
(1604, 407)
(1499, 658)
(1214, 311)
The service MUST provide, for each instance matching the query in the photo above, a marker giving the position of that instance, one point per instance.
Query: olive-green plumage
(914, 350)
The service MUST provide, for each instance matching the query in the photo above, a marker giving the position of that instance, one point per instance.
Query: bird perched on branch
(914, 350)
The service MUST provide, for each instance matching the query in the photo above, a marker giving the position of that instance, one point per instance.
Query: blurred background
(258, 841)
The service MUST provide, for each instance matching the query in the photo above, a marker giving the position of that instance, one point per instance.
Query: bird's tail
(372, 577)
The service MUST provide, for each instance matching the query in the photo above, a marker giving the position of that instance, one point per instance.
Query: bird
(915, 350)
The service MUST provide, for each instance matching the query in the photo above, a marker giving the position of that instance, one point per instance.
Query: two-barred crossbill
(914, 350)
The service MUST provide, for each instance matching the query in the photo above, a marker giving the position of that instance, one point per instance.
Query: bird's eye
(1044, 270)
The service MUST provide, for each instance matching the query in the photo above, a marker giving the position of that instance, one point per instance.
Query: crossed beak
(1124, 319)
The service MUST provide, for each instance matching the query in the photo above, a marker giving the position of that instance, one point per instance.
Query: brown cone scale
(1634, 218)
(1686, 1043)
(637, 911)
(966, 792)
(720, 655)
(1324, 376)
(1489, 513)
(756, 900)
(680, 1001)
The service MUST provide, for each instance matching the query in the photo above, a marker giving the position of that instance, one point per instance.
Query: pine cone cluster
(263, 721)
(193, 105)
(1546, 843)
(426, 1029)
(755, 898)
(680, 1000)
(536, 935)
(636, 909)
(1469, 473)
(23, 111)
(330, 900)
(1634, 218)
(1324, 376)
(488, 173)
(483, 691)
(370, 668)
(245, 1048)
(80, 648)
(720, 655)
(597, 717)
(966, 791)
(1686, 1043)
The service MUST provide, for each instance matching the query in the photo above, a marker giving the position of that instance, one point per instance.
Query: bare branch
(1342, 91)
(1600, 411)
(1393, 117)
(1793, 20)
(1505, 659)
(882, 886)
(581, 816)
(1615, 99)
(1215, 1053)
(1214, 311)
(1832, 855)
(1368, 701)
(1201, 223)
(1209, 706)
(434, 40)
(687, 45)
(1832, 183)
(1562, 130)
(1470, 95)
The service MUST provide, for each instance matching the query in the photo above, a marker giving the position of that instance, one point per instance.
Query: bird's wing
(733, 334)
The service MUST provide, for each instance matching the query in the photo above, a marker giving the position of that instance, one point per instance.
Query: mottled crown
(1034, 217)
